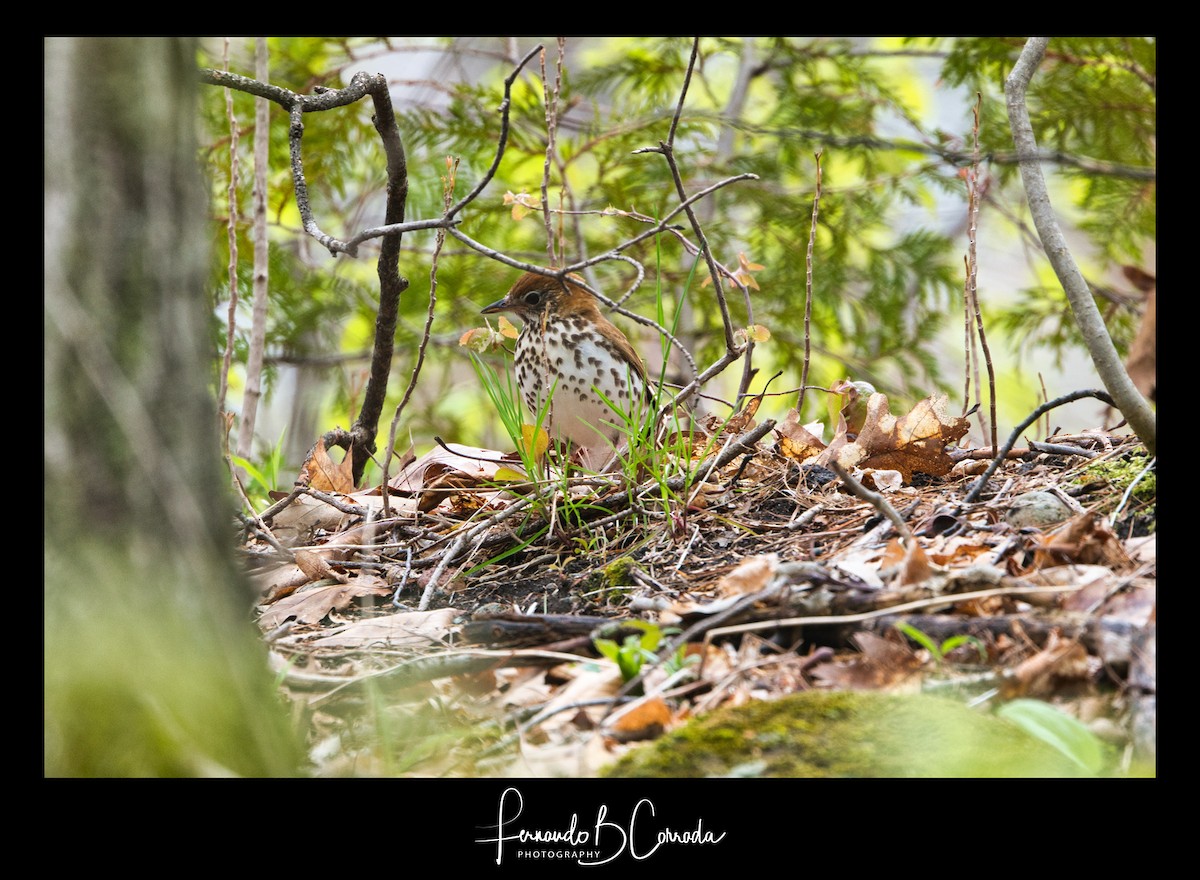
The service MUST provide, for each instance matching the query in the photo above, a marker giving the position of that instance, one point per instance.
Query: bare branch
(501, 141)
(972, 282)
(667, 149)
(808, 267)
(977, 489)
(550, 100)
(956, 158)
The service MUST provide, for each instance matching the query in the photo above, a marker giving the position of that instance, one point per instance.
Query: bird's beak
(500, 305)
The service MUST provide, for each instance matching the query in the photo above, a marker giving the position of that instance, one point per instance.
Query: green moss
(617, 572)
(1120, 472)
(847, 734)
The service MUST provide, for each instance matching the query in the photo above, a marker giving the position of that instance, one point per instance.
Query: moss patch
(856, 734)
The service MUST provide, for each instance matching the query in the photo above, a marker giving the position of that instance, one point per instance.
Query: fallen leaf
(443, 473)
(796, 441)
(1086, 539)
(1143, 362)
(411, 629)
(316, 568)
(751, 575)
(881, 664)
(1060, 661)
(319, 471)
(645, 719)
(313, 606)
(914, 442)
(281, 581)
(744, 420)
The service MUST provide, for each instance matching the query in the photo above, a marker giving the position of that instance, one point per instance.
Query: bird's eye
(533, 298)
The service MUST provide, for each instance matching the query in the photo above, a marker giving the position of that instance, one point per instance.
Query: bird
(568, 345)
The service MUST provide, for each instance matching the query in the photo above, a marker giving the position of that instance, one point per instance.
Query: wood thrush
(567, 345)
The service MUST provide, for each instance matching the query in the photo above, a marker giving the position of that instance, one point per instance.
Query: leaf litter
(472, 609)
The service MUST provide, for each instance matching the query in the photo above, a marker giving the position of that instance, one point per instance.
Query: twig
(283, 502)
(550, 100)
(265, 530)
(439, 241)
(955, 158)
(973, 266)
(1129, 489)
(668, 151)
(1062, 449)
(688, 547)
(838, 619)
(876, 500)
(1045, 397)
(501, 141)
(808, 283)
(977, 489)
(336, 502)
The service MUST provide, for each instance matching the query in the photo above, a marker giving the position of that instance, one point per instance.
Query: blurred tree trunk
(151, 664)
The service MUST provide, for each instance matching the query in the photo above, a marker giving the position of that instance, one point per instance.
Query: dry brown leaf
(304, 516)
(1060, 661)
(744, 420)
(751, 575)
(280, 582)
(1086, 539)
(916, 568)
(882, 664)
(319, 471)
(313, 564)
(645, 719)
(913, 564)
(1143, 359)
(443, 482)
(413, 629)
(589, 681)
(796, 441)
(914, 442)
(475, 463)
(313, 606)
(959, 550)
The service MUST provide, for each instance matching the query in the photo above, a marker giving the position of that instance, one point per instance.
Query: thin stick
(973, 267)
(505, 106)
(876, 500)
(550, 100)
(837, 619)
(1135, 408)
(1130, 488)
(977, 489)
(439, 241)
(808, 284)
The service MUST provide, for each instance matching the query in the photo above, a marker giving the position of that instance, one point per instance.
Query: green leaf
(1057, 729)
(919, 637)
(954, 641)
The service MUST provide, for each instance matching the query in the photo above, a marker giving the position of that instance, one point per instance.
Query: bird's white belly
(577, 413)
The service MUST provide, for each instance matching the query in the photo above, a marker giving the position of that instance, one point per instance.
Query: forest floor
(483, 629)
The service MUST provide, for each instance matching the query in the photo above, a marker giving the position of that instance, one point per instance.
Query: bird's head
(536, 295)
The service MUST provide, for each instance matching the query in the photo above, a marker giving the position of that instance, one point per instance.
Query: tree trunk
(151, 666)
